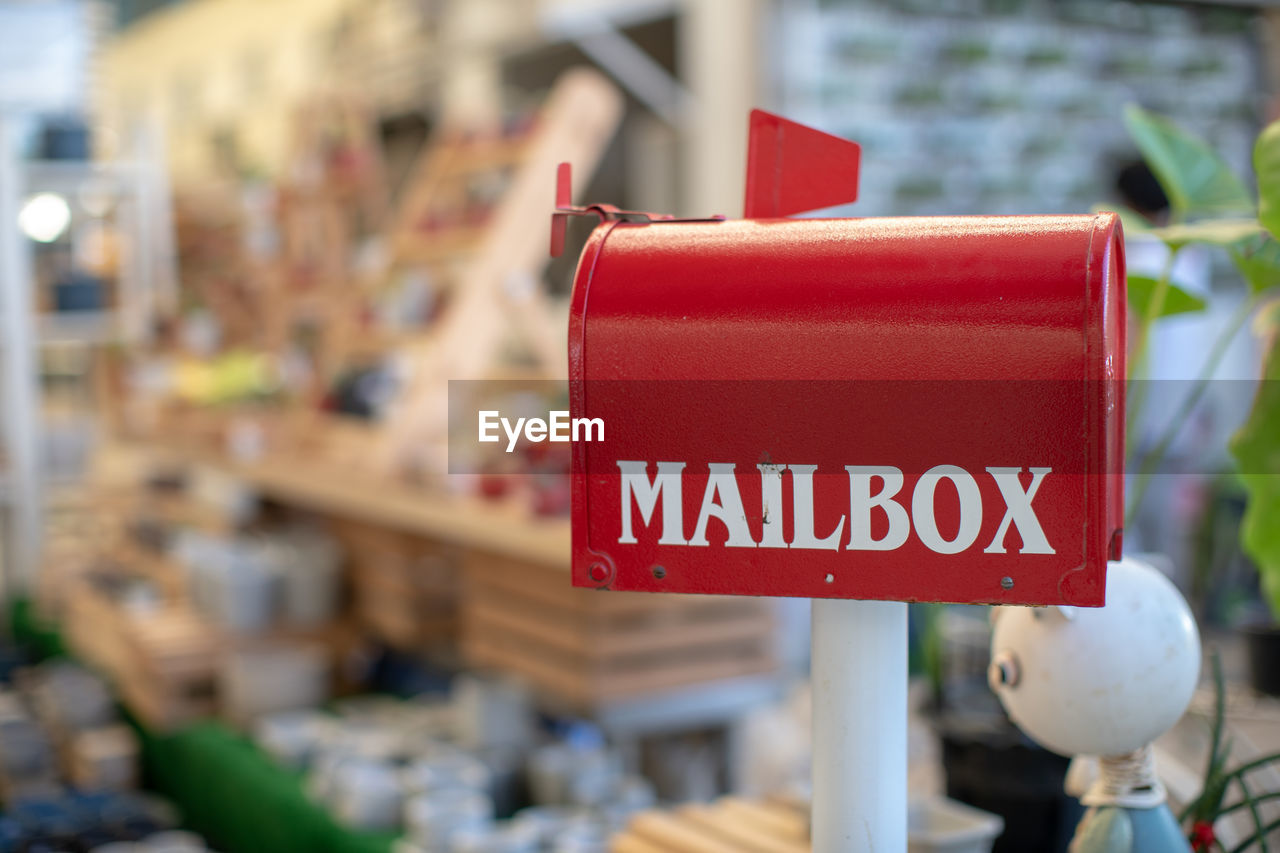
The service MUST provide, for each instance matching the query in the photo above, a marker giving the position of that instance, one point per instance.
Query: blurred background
(251, 599)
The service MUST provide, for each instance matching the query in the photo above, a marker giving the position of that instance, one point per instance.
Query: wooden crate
(164, 663)
(101, 758)
(404, 587)
(730, 825)
(590, 647)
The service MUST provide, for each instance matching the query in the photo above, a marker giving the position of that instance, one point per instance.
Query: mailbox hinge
(791, 169)
(606, 212)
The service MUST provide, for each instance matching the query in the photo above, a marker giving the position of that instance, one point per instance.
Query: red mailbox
(911, 409)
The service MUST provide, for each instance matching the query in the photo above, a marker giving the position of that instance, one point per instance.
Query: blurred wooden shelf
(593, 650)
(443, 245)
(497, 527)
(728, 825)
(489, 154)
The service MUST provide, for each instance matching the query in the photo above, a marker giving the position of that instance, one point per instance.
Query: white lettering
(635, 482)
(1018, 511)
(558, 427)
(513, 435)
(488, 423)
(802, 512)
(862, 502)
(771, 505)
(922, 509)
(722, 500)
(729, 510)
(559, 423)
(587, 425)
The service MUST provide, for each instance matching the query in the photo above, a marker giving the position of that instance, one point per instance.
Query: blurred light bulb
(44, 217)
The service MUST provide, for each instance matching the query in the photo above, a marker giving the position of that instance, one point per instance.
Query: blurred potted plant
(1201, 815)
(1210, 206)
(1256, 448)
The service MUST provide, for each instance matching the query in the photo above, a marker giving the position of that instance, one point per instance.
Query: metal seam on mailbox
(580, 451)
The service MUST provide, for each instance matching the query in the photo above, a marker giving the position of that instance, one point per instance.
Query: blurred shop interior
(251, 600)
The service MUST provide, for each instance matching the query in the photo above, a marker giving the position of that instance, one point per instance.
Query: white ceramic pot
(368, 796)
(446, 771)
(174, 841)
(432, 819)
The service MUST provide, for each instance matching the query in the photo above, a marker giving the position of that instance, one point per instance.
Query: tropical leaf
(1213, 232)
(1258, 259)
(1176, 299)
(1257, 455)
(1195, 180)
(1266, 163)
(1266, 320)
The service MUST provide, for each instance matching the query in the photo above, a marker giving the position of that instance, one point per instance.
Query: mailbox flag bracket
(792, 168)
(606, 212)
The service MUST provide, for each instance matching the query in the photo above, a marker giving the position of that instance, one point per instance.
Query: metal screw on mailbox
(1006, 582)
(598, 572)
(659, 572)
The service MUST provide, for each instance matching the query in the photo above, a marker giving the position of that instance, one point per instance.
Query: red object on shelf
(903, 409)
(494, 486)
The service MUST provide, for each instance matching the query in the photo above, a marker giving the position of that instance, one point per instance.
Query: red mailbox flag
(792, 168)
(920, 409)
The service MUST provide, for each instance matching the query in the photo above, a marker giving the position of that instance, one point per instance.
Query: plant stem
(1152, 459)
(1244, 845)
(1149, 316)
(1255, 764)
(1253, 812)
(1258, 798)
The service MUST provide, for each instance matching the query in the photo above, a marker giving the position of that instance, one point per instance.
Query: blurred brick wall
(1012, 106)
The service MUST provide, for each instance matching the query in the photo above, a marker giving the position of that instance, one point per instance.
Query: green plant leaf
(931, 644)
(1258, 260)
(1213, 232)
(1253, 839)
(1255, 763)
(1256, 449)
(1258, 825)
(1266, 163)
(1217, 753)
(1193, 177)
(1267, 321)
(1176, 299)
(1243, 804)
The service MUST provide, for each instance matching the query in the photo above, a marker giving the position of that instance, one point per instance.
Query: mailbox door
(778, 395)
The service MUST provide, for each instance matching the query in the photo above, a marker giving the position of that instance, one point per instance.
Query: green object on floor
(239, 799)
(227, 789)
(38, 638)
